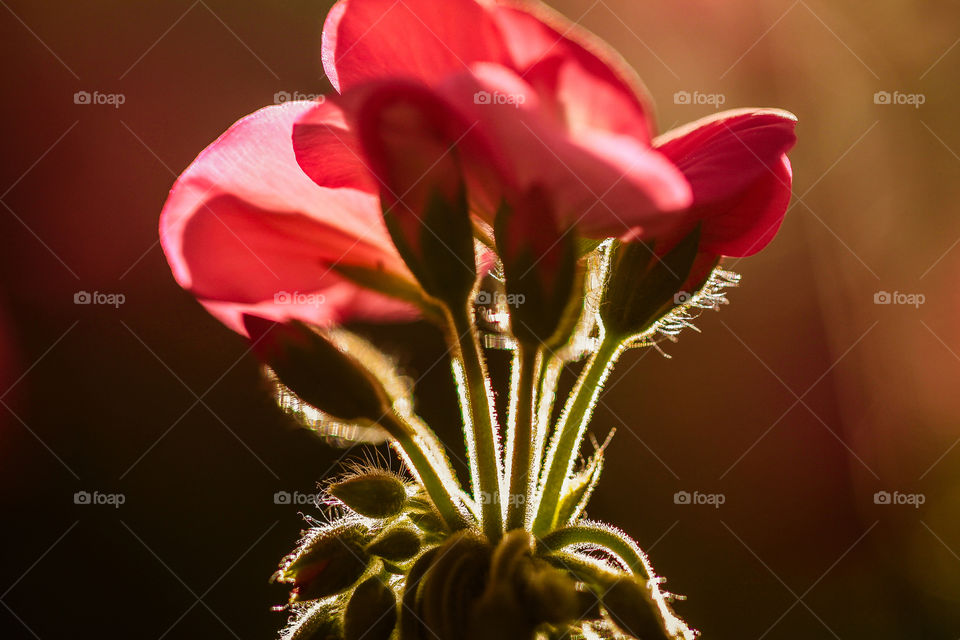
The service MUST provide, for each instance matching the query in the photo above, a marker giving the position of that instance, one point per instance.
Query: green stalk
(602, 536)
(550, 367)
(441, 487)
(565, 445)
(479, 423)
(520, 489)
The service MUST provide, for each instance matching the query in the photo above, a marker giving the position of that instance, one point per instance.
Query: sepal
(644, 284)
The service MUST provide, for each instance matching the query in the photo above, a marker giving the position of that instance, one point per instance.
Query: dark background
(797, 402)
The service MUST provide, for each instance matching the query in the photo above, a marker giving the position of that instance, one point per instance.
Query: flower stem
(521, 480)
(480, 423)
(565, 444)
(596, 534)
(603, 536)
(435, 476)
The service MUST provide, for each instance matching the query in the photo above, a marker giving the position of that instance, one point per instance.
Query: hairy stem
(522, 430)
(550, 369)
(602, 536)
(428, 466)
(570, 430)
(480, 423)
(595, 534)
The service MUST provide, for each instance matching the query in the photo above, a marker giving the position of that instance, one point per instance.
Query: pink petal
(607, 184)
(328, 151)
(366, 40)
(590, 83)
(746, 223)
(243, 226)
(724, 153)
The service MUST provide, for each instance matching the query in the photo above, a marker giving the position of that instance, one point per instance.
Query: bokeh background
(797, 403)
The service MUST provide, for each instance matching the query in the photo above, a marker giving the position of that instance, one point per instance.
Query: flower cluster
(493, 169)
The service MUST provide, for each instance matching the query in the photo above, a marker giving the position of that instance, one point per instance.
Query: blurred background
(820, 407)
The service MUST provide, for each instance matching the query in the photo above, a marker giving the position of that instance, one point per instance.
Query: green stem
(603, 536)
(569, 433)
(479, 423)
(550, 369)
(521, 485)
(435, 476)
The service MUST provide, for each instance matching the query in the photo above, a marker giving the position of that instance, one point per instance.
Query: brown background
(797, 402)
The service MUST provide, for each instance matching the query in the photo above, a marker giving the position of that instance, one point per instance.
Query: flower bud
(321, 622)
(643, 284)
(317, 369)
(630, 607)
(412, 626)
(397, 544)
(371, 612)
(549, 594)
(539, 258)
(410, 139)
(326, 564)
(374, 494)
(453, 584)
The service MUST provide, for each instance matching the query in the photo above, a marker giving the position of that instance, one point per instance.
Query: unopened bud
(373, 494)
(644, 283)
(397, 544)
(327, 564)
(319, 623)
(540, 266)
(317, 369)
(410, 138)
(631, 608)
(371, 612)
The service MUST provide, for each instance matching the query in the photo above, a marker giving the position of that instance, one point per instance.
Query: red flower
(246, 231)
(558, 114)
(563, 113)
(736, 163)
(525, 102)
